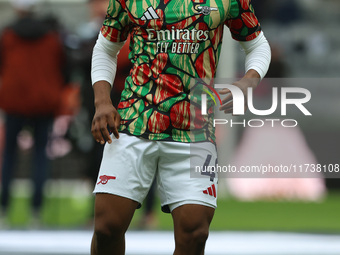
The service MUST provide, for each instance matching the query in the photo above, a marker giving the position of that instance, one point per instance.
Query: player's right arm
(103, 71)
(106, 116)
(111, 39)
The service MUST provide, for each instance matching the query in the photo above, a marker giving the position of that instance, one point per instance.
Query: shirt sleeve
(242, 22)
(116, 26)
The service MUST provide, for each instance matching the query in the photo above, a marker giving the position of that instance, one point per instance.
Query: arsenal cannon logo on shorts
(105, 178)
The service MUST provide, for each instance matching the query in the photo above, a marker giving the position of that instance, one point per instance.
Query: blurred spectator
(264, 8)
(288, 12)
(278, 68)
(285, 11)
(82, 44)
(2, 138)
(32, 83)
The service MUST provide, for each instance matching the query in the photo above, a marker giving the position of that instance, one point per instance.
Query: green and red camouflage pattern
(174, 44)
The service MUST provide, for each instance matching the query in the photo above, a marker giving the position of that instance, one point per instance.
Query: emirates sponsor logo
(187, 40)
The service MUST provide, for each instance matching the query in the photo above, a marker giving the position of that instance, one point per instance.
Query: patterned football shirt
(174, 44)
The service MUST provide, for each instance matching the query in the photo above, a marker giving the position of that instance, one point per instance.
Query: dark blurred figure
(32, 81)
(288, 12)
(84, 41)
(282, 11)
(277, 69)
(264, 9)
(81, 45)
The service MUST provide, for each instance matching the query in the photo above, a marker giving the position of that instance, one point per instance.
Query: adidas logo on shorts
(150, 14)
(210, 191)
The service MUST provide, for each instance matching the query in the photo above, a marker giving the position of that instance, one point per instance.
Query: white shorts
(130, 164)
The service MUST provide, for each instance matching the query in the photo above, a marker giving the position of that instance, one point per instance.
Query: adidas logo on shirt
(150, 14)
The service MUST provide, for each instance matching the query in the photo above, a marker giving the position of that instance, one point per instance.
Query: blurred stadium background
(305, 39)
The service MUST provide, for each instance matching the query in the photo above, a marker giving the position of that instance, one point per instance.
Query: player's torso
(173, 42)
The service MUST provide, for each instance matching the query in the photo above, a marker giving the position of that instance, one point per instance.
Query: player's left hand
(250, 80)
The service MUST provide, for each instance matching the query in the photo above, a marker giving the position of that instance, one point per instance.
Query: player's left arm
(245, 28)
(258, 56)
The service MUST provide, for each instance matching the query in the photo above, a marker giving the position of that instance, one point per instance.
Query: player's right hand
(105, 121)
